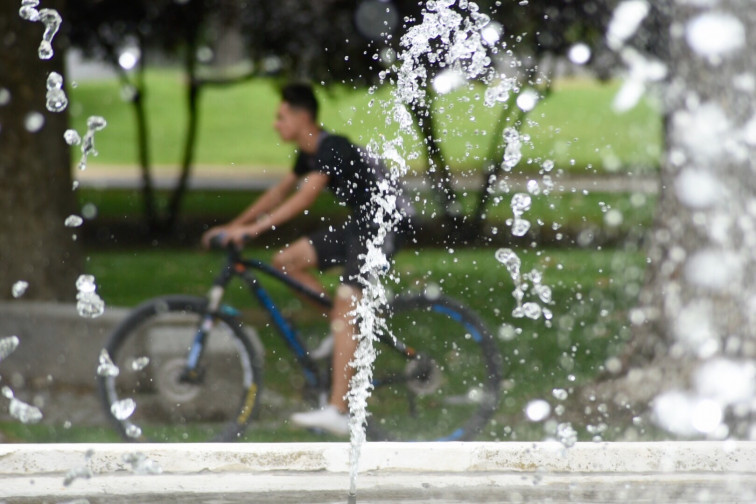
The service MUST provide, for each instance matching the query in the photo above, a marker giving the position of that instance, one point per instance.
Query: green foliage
(575, 126)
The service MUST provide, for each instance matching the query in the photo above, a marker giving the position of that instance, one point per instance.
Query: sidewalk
(256, 178)
(389, 472)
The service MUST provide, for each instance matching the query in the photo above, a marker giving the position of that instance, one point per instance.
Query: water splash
(566, 434)
(88, 302)
(450, 39)
(56, 97)
(123, 409)
(106, 368)
(25, 413)
(140, 363)
(19, 288)
(141, 464)
(29, 10)
(81, 472)
(8, 346)
(51, 19)
(94, 124)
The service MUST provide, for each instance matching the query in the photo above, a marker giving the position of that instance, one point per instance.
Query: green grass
(575, 125)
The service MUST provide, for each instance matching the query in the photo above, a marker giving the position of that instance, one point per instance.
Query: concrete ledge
(552, 457)
(390, 472)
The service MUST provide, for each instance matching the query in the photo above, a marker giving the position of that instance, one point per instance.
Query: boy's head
(298, 110)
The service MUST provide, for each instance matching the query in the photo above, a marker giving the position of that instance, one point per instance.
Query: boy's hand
(212, 233)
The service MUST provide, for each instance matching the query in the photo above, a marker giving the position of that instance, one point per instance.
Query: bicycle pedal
(192, 376)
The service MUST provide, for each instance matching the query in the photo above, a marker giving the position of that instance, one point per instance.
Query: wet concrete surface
(391, 472)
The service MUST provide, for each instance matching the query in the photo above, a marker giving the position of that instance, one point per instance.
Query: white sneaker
(324, 350)
(328, 418)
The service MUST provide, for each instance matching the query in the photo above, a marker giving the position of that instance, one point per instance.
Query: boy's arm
(312, 185)
(269, 200)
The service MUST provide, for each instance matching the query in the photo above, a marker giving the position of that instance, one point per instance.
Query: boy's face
(290, 121)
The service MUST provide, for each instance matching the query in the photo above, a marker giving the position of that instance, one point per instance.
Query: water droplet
(34, 121)
(71, 136)
(28, 10)
(25, 413)
(626, 19)
(19, 288)
(509, 259)
(73, 221)
(5, 96)
(94, 123)
(527, 100)
(432, 291)
(566, 434)
(520, 203)
(507, 332)
(560, 394)
(140, 363)
(544, 293)
(7, 346)
(123, 409)
(85, 283)
(83, 472)
(51, 19)
(533, 187)
(141, 464)
(579, 53)
(7, 392)
(520, 227)
(548, 165)
(106, 368)
(133, 431)
(537, 410)
(531, 310)
(715, 34)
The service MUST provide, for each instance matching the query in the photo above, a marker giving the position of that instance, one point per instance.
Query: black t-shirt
(352, 174)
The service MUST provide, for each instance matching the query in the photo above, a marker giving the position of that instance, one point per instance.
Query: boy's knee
(281, 261)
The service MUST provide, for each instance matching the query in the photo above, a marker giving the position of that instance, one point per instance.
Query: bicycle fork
(192, 373)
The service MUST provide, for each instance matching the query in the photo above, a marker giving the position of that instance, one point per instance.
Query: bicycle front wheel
(152, 398)
(437, 377)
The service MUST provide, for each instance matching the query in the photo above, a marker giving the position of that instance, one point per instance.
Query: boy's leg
(343, 329)
(296, 261)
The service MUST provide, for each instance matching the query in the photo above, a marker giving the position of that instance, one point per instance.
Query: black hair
(301, 96)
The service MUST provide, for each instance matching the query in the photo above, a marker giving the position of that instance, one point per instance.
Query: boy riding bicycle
(332, 161)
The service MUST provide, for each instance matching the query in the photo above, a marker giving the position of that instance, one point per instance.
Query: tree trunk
(190, 137)
(35, 179)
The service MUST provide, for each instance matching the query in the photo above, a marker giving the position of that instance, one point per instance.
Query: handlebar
(216, 243)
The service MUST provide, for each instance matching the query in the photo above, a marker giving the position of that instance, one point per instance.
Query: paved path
(390, 472)
(259, 178)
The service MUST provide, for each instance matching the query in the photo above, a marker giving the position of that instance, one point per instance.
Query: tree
(35, 182)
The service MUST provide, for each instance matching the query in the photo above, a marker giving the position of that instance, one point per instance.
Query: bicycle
(194, 372)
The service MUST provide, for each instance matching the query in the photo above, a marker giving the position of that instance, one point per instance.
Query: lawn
(575, 126)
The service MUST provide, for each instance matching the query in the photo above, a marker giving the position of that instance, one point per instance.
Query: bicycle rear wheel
(150, 349)
(449, 388)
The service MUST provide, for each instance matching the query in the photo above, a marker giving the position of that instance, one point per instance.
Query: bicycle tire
(450, 390)
(215, 408)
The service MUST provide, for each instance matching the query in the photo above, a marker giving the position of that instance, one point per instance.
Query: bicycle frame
(237, 266)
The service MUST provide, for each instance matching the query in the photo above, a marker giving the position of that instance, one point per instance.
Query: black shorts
(343, 245)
